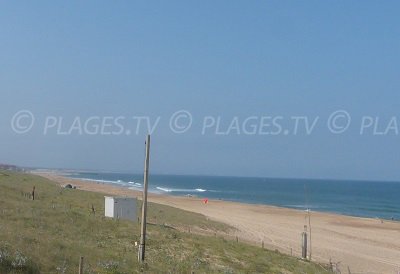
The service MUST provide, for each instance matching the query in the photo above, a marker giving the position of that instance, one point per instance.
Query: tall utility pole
(144, 202)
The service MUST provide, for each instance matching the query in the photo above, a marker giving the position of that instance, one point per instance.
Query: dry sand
(364, 245)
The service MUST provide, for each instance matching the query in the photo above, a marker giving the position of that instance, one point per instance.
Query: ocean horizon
(372, 199)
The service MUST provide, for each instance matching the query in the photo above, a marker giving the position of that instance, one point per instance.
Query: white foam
(180, 189)
(200, 190)
(97, 180)
(164, 189)
(134, 185)
(130, 182)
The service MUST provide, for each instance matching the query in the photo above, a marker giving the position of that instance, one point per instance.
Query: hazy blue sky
(212, 58)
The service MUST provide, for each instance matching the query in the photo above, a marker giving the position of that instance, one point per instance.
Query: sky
(224, 79)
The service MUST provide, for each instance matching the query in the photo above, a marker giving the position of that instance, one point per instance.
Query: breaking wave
(181, 189)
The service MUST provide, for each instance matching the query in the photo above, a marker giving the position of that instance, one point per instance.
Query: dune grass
(49, 234)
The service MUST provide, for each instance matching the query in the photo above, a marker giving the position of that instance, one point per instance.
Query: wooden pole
(81, 265)
(144, 202)
(309, 218)
(304, 245)
(309, 226)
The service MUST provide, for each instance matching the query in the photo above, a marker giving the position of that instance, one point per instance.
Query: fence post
(81, 265)
(304, 245)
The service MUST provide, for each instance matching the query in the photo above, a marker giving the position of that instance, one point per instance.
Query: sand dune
(362, 244)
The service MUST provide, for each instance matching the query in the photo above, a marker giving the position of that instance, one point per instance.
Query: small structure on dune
(120, 208)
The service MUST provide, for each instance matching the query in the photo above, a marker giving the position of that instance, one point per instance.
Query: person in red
(205, 200)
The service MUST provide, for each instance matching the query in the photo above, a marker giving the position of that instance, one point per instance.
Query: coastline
(363, 244)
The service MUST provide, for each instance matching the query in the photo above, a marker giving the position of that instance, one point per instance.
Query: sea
(371, 199)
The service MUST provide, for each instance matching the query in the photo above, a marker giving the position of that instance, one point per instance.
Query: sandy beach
(362, 245)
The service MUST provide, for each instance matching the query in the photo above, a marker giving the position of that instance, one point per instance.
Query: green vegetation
(49, 234)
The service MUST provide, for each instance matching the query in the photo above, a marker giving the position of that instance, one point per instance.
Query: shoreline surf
(353, 198)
